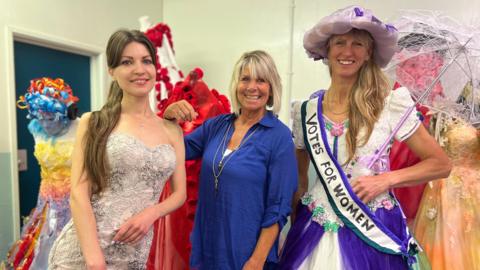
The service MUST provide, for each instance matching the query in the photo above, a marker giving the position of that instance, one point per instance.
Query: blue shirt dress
(255, 190)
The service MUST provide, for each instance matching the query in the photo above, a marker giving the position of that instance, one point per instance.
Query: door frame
(98, 81)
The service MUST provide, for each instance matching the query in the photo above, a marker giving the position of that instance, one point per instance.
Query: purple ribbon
(358, 12)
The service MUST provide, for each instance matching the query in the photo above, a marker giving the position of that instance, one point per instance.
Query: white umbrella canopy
(438, 60)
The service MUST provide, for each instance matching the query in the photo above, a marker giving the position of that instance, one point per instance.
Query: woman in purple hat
(349, 219)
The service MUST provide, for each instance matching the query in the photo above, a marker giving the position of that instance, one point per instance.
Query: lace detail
(297, 131)
(335, 129)
(138, 174)
(321, 214)
(383, 200)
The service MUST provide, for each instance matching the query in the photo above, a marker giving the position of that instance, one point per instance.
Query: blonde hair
(261, 66)
(101, 123)
(367, 98)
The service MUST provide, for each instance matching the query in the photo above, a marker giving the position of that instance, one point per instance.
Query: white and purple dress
(321, 238)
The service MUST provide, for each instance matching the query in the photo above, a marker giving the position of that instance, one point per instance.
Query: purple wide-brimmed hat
(343, 20)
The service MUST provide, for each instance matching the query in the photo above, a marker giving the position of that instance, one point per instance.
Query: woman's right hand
(181, 111)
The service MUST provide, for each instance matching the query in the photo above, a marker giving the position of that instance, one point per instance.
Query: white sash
(347, 206)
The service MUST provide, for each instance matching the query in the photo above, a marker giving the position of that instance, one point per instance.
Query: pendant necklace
(225, 158)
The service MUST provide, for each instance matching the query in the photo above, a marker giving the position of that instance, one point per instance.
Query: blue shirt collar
(268, 120)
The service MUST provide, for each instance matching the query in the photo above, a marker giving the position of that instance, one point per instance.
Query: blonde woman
(248, 173)
(122, 157)
(349, 219)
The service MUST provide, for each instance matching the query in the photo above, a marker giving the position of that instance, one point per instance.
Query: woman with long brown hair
(122, 158)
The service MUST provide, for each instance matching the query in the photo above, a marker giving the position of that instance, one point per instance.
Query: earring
(270, 101)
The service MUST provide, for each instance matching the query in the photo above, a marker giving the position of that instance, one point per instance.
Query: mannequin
(52, 109)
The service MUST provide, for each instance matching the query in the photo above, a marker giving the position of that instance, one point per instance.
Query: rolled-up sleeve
(195, 142)
(281, 182)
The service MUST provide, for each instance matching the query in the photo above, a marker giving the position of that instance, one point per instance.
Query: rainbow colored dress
(52, 211)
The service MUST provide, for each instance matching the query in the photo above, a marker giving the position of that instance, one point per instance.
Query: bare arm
(82, 212)
(136, 227)
(434, 164)
(265, 242)
(303, 163)
(178, 179)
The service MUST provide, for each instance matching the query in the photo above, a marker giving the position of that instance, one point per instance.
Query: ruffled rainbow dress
(52, 211)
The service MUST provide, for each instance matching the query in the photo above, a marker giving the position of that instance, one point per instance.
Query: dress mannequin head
(50, 104)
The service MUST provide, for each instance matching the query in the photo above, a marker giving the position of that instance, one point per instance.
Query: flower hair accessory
(342, 21)
(47, 99)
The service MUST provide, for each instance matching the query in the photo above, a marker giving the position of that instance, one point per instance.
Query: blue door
(32, 62)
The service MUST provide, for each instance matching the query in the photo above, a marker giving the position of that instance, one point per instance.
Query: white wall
(212, 34)
(79, 23)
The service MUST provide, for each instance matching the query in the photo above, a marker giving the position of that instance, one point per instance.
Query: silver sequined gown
(138, 175)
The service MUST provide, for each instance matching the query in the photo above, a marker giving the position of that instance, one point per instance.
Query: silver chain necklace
(226, 158)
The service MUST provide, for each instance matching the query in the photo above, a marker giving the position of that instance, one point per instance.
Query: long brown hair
(102, 122)
(367, 98)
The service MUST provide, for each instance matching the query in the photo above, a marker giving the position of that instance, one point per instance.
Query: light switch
(22, 160)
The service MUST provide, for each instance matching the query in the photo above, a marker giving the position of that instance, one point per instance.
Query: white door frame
(98, 79)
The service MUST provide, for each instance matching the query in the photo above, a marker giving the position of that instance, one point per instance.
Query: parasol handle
(384, 146)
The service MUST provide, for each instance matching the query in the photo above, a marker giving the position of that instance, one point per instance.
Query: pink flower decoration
(387, 204)
(337, 129)
(417, 72)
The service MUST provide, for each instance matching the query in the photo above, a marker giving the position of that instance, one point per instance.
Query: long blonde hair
(101, 123)
(367, 99)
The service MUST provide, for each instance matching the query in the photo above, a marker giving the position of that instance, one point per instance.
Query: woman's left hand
(369, 187)
(135, 228)
(253, 264)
